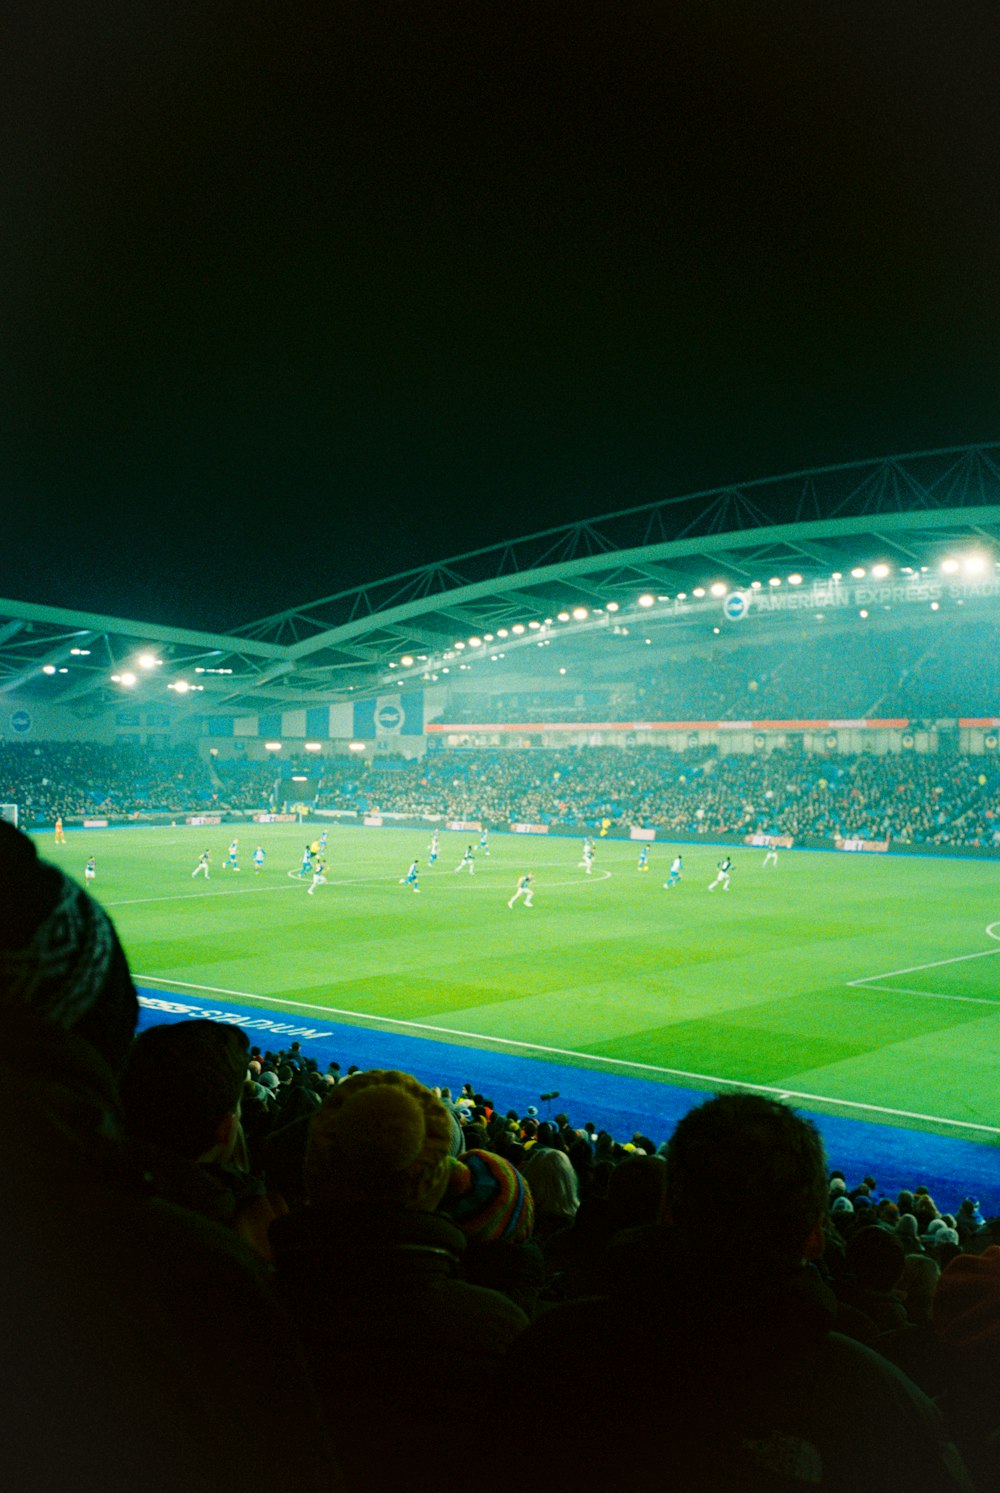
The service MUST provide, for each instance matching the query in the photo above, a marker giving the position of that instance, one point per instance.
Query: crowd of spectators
(224, 1265)
(72, 778)
(939, 799)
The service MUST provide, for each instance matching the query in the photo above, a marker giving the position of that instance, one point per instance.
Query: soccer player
(723, 869)
(322, 843)
(468, 859)
(258, 860)
(315, 848)
(676, 871)
(588, 856)
(771, 858)
(307, 863)
(90, 869)
(202, 867)
(232, 862)
(319, 874)
(643, 859)
(411, 877)
(523, 889)
(484, 842)
(433, 849)
(60, 837)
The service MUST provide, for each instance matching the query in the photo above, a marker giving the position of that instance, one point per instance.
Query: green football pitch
(867, 983)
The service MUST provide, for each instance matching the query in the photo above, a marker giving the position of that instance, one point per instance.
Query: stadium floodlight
(148, 660)
(272, 746)
(407, 661)
(863, 613)
(716, 629)
(837, 575)
(355, 746)
(645, 600)
(48, 668)
(719, 588)
(648, 642)
(795, 579)
(487, 637)
(562, 670)
(949, 566)
(612, 606)
(974, 564)
(128, 679)
(517, 629)
(299, 777)
(698, 591)
(858, 572)
(774, 581)
(935, 606)
(314, 746)
(756, 585)
(534, 626)
(64, 671)
(180, 685)
(682, 596)
(880, 571)
(473, 643)
(459, 646)
(502, 632)
(80, 652)
(563, 616)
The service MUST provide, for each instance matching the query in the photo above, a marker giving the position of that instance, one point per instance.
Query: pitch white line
(913, 969)
(568, 1052)
(931, 995)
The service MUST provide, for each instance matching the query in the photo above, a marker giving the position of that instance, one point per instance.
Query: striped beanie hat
(489, 1200)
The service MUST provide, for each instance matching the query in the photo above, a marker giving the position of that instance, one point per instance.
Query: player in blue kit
(258, 860)
(307, 863)
(411, 878)
(232, 861)
(643, 859)
(433, 849)
(676, 871)
(484, 842)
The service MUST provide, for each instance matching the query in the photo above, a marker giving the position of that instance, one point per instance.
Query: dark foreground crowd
(227, 1268)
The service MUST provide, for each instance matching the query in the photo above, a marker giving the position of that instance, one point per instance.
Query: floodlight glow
(612, 606)
(502, 632)
(48, 668)
(314, 746)
(534, 626)
(862, 613)
(563, 616)
(774, 581)
(80, 652)
(974, 564)
(517, 629)
(355, 746)
(935, 606)
(64, 671)
(406, 661)
(837, 575)
(298, 777)
(129, 679)
(147, 661)
(475, 642)
(698, 591)
(719, 588)
(716, 629)
(755, 585)
(880, 571)
(459, 646)
(648, 642)
(858, 572)
(180, 685)
(272, 746)
(682, 596)
(646, 600)
(949, 566)
(562, 671)
(580, 614)
(487, 637)
(795, 580)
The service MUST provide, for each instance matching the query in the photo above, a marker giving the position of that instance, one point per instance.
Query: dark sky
(295, 296)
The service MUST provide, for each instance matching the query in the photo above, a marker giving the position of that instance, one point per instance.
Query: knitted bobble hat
(967, 1301)
(489, 1200)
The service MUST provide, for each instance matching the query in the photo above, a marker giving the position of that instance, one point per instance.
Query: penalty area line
(568, 1052)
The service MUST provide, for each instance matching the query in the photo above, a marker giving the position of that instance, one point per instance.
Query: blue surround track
(897, 1158)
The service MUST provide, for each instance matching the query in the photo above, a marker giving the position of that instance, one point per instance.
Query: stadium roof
(907, 513)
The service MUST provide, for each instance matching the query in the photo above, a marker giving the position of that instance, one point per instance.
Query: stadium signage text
(868, 845)
(95, 824)
(766, 842)
(472, 825)
(641, 834)
(203, 819)
(529, 829)
(373, 821)
(260, 1023)
(274, 818)
(829, 595)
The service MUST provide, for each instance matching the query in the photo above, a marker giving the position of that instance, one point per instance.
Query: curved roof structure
(905, 513)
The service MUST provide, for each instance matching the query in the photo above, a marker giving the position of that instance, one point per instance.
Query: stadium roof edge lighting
(909, 513)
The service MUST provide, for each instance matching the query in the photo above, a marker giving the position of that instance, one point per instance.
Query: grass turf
(868, 984)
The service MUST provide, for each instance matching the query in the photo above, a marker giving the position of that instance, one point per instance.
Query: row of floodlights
(972, 564)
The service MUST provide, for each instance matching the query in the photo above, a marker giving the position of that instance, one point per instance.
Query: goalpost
(9, 812)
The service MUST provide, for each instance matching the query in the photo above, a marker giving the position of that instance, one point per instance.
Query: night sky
(296, 296)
